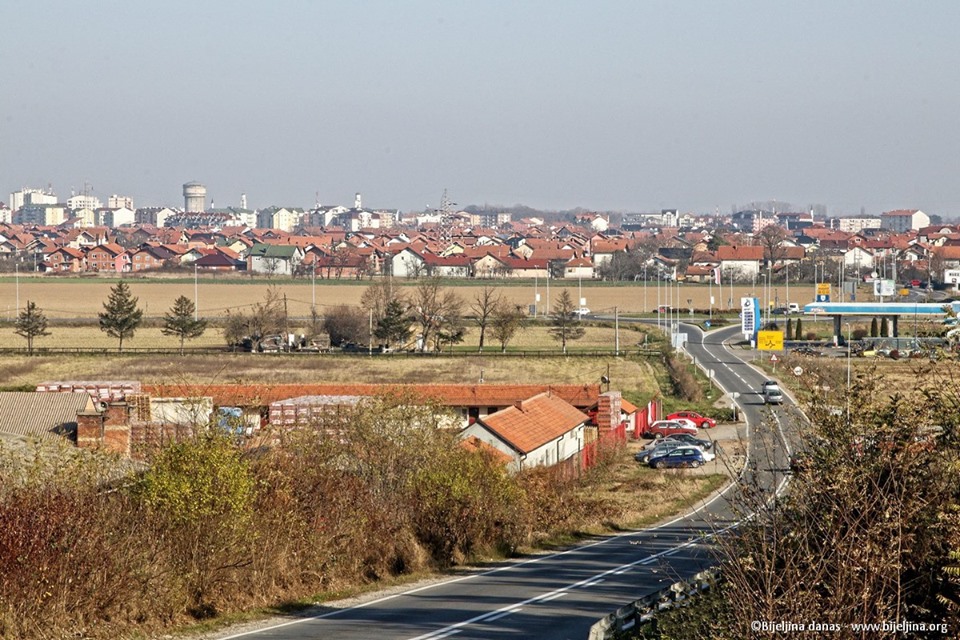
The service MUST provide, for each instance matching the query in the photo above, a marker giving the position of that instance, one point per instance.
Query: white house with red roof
(543, 430)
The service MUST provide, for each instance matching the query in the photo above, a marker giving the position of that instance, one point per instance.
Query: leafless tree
(483, 307)
(505, 321)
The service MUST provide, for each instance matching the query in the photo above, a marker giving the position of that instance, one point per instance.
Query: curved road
(562, 595)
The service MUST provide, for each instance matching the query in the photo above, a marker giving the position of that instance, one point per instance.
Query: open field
(632, 376)
(82, 298)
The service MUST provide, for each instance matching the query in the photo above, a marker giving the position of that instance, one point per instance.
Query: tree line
(120, 318)
(428, 317)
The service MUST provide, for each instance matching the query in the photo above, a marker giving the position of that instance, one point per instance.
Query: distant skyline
(619, 106)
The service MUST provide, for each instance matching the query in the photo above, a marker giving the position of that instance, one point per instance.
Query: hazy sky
(630, 106)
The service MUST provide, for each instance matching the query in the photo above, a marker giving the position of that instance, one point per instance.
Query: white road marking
(496, 617)
(554, 596)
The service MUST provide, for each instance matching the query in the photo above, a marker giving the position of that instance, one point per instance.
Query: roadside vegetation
(869, 530)
(92, 547)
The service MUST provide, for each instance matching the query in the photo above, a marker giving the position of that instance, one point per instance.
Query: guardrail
(643, 610)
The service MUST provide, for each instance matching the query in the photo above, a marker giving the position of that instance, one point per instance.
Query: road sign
(797, 371)
(770, 340)
(823, 292)
(774, 358)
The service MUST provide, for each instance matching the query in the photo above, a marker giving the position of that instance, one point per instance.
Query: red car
(662, 428)
(702, 422)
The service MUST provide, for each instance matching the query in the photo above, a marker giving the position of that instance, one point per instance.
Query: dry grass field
(631, 375)
(82, 298)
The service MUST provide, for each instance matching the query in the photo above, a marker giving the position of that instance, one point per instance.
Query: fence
(643, 610)
(532, 353)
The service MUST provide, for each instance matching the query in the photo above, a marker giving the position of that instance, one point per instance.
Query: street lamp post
(196, 299)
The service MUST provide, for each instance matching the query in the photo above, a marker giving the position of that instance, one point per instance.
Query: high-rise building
(31, 196)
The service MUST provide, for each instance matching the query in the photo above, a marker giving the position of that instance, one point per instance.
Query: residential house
(738, 262)
(65, 260)
(543, 430)
(409, 262)
(109, 256)
(274, 259)
(150, 257)
(578, 268)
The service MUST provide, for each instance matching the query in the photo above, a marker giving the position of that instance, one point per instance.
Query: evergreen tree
(121, 316)
(565, 321)
(394, 326)
(790, 333)
(799, 335)
(874, 330)
(31, 323)
(181, 321)
(884, 330)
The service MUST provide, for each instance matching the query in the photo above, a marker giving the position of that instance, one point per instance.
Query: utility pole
(196, 299)
(286, 324)
(616, 325)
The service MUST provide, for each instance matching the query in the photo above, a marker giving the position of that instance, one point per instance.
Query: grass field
(82, 298)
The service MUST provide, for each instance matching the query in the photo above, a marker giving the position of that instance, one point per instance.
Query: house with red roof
(543, 430)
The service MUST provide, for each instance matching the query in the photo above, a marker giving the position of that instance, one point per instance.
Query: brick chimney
(608, 410)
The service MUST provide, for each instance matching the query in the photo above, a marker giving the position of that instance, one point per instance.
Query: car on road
(699, 421)
(680, 457)
(582, 311)
(773, 395)
(664, 428)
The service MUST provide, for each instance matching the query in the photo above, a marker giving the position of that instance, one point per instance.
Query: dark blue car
(678, 458)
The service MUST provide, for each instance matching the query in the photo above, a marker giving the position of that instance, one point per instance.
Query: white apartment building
(856, 225)
(117, 202)
(31, 196)
(83, 201)
(904, 220)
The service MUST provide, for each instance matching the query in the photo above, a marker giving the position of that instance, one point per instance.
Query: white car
(582, 311)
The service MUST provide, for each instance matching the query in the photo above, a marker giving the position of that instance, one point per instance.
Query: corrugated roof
(456, 395)
(45, 415)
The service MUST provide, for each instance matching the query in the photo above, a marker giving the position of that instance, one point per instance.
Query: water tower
(194, 197)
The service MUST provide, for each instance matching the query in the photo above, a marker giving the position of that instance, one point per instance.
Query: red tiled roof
(534, 422)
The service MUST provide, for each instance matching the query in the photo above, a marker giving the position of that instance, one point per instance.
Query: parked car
(678, 458)
(663, 428)
(665, 446)
(699, 421)
(793, 307)
(688, 439)
(656, 448)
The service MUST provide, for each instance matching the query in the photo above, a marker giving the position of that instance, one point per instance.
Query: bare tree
(506, 320)
(378, 295)
(483, 308)
(432, 307)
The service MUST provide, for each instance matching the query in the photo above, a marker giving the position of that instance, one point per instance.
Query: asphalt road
(562, 595)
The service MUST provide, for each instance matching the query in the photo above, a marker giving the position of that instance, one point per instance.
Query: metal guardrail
(644, 609)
